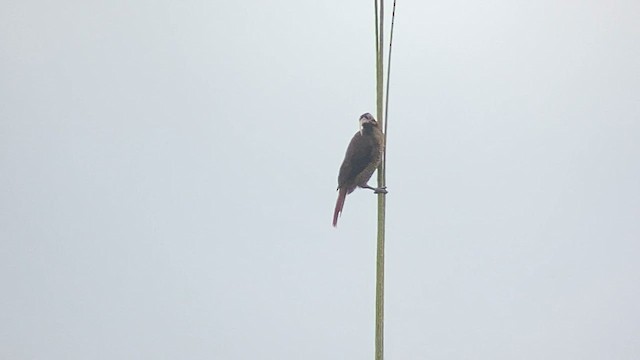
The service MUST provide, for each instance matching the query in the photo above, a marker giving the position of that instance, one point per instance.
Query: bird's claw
(380, 190)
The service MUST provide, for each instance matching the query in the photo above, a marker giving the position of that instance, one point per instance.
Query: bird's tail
(342, 194)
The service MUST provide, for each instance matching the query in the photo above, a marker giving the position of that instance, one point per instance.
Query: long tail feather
(339, 204)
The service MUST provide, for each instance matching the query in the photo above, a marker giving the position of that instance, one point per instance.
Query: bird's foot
(380, 190)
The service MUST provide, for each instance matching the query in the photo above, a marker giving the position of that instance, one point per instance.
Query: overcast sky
(168, 174)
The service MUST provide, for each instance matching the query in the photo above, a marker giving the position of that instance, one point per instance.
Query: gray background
(168, 173)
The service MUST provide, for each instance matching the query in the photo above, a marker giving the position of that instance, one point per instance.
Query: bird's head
(367, 119)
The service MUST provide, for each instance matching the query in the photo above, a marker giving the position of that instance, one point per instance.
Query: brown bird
(360, 161)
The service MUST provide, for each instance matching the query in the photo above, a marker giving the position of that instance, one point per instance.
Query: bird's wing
(356, 159)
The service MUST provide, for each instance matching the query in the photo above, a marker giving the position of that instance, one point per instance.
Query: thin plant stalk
(382, 115)
(379, 339)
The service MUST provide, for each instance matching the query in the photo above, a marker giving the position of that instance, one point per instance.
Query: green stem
(379, 349)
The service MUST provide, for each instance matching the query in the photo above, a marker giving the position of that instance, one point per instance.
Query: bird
(361, 159)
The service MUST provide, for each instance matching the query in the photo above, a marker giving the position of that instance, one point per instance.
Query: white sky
(168, 174)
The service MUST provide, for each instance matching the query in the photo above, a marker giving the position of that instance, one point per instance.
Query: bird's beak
(362, 121)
